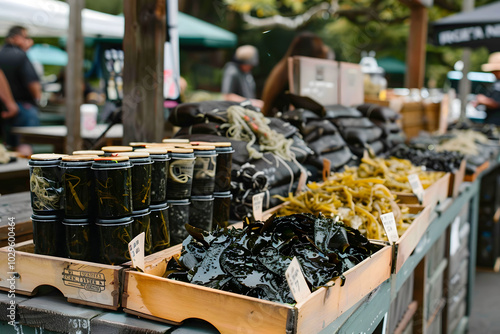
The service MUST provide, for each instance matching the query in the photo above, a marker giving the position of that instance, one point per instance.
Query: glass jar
(113, 186)
(141, 178)
(221, 210)
(78, 180)
(142, 223)
(204, 170)
(114, 236)
(159, 227)
(48, 235)
(161, 161)
(46, 185)
(178, 216)
(180, 174)
(224, 164)
(201, 211)
(78, 239)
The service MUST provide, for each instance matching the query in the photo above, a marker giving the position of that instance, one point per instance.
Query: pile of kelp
(252, 261)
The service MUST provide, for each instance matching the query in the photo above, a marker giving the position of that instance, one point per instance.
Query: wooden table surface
(18, 207)
(56, 135)
(14, 176)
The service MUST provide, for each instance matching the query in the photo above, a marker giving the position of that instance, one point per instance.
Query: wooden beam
(74, 76)
(415, 52)
(145, 24)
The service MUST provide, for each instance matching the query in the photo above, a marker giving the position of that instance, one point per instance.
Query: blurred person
(24, 84)
(238, 83)
(492, 99)
(305, 44)
(10, 108)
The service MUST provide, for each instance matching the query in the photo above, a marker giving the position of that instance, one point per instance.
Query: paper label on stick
(302, 181)
(257, 201)
(390, 227)
(327, 165)
(296, 281)
(455, 236)
(136, 251)
(416, 186)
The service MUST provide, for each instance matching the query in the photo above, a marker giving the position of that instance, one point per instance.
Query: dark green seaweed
(252, 261)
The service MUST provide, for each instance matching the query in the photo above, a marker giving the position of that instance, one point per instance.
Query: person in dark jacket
(492, 99)
(24, 84)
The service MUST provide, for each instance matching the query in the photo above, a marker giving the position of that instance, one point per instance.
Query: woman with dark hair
(305, 44)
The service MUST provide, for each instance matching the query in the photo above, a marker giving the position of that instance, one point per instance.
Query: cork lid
(203, 148)
(176, 141)
(216, 144)
(79, 157)
(121, 158)
(88, 152)
(154, 150)
(181, 150)
(114, 149)
(47, 156)
(135, 154)
(138, 144)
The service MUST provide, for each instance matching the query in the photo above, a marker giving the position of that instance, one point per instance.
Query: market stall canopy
(480, 27)
(392, 65)
(46, 54)
(195, 32)
(49, 18)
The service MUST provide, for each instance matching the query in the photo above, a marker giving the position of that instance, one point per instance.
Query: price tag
(302, 181)
(416, 186)
(136, 251)
(455, 236)
(327, 165)
(257, 201)
(390, 226)
(296, 281)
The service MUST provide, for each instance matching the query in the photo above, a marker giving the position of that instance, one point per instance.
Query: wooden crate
(410, 239)
(456, 180)
(437, 192)
(80, 282)
(151, 296)
(479, 170)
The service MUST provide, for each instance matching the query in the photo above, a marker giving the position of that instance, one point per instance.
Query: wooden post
(417, 40)
(74, 76)
(145, 24)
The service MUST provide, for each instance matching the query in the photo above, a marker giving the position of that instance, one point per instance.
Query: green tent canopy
(392, 65)
(193, 32)
(196, 32)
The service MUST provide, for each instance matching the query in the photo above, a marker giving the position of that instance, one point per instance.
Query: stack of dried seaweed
(252, 261)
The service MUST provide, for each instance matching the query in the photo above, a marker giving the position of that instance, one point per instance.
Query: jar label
(181, 171)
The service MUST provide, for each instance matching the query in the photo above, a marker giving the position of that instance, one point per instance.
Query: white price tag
(416, 186)
(302, 181)
(390, 226)
(257, 201)
(455, 236)
(136, 251)
(296, 281)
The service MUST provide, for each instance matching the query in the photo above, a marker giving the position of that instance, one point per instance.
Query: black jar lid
(223, 194)
(159, 206)
(115, 221)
